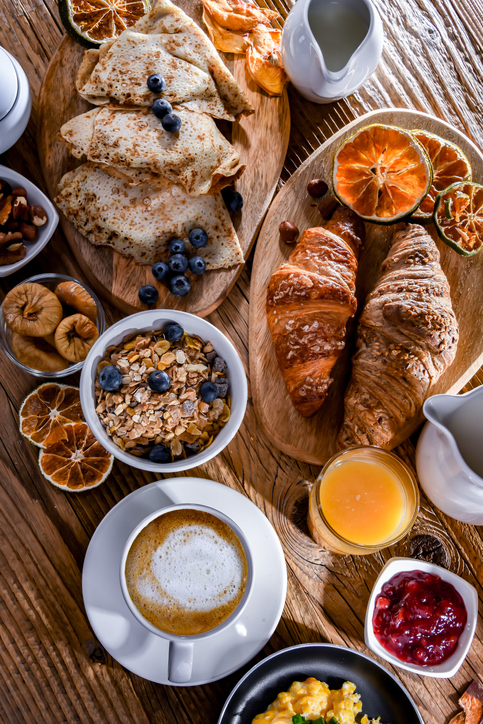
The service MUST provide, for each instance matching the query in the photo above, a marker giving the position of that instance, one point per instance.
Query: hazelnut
(13, 225)
(19, 192)
(20, 209)
(9, 238)
(327, 206)
(38, 216)
(288, 232)
(28, 231)
(317, 187)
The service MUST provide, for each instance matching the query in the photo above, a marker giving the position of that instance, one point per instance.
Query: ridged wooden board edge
(312, 440)
(261, 139)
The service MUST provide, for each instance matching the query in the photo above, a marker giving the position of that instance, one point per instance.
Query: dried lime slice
(382, 173)
(93, 22)
(450, 165)
(458, 217)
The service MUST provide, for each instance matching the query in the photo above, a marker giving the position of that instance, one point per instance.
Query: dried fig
(75, 336)
(32, 310)
(36, 353)
(75, 296)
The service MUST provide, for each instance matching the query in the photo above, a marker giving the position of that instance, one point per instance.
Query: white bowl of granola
(163, 405)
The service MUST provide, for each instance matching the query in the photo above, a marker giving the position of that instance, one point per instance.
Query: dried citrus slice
(77, 463)
(382, 173)
(92, 22)
(449, 163)
(46, 411)
(458, 216)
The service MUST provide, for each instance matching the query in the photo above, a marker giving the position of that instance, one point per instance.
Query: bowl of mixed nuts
(27, 221)
(163, 390)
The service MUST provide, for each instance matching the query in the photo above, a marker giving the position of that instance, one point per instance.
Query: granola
(138, 418)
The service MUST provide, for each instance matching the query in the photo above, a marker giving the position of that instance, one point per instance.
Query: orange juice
(364, 500)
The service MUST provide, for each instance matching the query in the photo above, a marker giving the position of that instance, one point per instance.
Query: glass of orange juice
(365, 499)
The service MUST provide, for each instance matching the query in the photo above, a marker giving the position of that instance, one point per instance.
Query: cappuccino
(186, 572)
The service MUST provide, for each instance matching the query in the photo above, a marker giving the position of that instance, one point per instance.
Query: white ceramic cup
(181, 648)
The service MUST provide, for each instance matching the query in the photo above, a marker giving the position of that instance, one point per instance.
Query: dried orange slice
(450, 165)
(458, 217)
(46, 411)
(92, 22)
(382, 173)
(77, 463)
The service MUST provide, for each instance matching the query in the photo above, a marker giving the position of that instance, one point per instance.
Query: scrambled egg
(313, 699)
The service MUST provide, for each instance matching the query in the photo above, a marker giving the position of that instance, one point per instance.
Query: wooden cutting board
(313, 440)
(261, 141)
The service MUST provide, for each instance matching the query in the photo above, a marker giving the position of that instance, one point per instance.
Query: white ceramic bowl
(153, 320)
(35, 197)
(447, 668)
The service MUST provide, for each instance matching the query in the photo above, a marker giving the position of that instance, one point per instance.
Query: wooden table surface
(51, 667)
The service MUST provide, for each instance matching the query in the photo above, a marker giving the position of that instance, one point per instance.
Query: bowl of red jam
(421, 617)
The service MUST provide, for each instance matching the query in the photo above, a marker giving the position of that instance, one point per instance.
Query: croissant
(309, 300)
(406, 337)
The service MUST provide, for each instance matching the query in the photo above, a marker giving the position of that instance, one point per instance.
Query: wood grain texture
(261, 140)
(313, 439)
(51, 668)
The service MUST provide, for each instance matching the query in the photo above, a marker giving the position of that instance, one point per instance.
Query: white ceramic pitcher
(449, 455)
(331, 47)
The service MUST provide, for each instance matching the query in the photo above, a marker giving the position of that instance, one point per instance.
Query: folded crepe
(133, 145)
(168, 42)
(139, 221)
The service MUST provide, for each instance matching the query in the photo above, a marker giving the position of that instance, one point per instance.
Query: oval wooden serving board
(313, 440)
(261, 141)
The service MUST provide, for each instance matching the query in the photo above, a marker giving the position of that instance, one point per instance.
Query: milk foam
(211, 570)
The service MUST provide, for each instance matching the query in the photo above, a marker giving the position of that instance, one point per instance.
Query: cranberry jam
(419, 618)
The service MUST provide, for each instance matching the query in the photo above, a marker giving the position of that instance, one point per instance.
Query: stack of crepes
(141, 185)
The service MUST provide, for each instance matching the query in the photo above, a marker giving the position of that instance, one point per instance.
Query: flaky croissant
(406, 337)
(309, 300)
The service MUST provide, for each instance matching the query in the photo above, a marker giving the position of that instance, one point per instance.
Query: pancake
(139, 221)
(168, 42)
(136, 147)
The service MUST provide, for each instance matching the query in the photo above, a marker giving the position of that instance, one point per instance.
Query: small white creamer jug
(331, 47)
(449, 455)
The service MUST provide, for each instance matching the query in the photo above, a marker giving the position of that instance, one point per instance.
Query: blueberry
(160, 270)
(148, 294)
(159, 381)
(156, 83)
(160, 454)
(197, 264)
(178, 263)
(110, 378)
(176, 246)
(171, 123)
(173, 332)
(179, 285)
(161, 108)
(233, 200)
(208, 391)
(198, 238)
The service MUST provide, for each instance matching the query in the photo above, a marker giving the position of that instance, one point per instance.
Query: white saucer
(146, 654)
